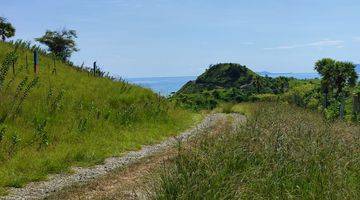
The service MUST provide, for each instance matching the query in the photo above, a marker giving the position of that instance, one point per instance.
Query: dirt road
(128, 177)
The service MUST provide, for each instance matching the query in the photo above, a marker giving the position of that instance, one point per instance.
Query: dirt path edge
(55, 183)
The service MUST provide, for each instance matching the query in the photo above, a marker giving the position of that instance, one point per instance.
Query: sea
(167, 85)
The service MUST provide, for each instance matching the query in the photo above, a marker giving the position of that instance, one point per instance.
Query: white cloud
(321, 43)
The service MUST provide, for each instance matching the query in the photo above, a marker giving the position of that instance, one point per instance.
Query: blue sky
(137, 38)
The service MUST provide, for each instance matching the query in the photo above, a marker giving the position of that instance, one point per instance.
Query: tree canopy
(336, 75)
(61, 43)
(6, 29)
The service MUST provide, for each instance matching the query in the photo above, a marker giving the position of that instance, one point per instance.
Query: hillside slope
(54, 120)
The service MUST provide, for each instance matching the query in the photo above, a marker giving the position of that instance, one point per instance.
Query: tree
(336, 75)
(281, 84)
(6, 29)
(61, 43)
(258, 83)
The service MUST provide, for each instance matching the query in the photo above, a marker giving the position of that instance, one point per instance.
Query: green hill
(220, 76)
(52, 121)
(227, 82)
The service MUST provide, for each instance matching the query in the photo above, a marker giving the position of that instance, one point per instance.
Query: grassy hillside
(282, 152)
(54, 120)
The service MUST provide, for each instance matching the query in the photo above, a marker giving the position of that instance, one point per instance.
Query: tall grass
(282, 152)
(51, 121)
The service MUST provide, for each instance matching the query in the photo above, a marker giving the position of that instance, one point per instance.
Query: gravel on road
(55, 183)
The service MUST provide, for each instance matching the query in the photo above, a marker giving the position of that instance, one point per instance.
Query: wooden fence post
(26, 62)
(54, 62)
(95, 68)
(342, 108)
(36, 62)
(54, 65)
(356, 103)
(13, 67)
(325, 100)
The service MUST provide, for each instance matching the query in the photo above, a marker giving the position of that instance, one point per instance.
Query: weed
(82, 125)
(2, 133)
(41, 133)
(56, 102)
(14, 141)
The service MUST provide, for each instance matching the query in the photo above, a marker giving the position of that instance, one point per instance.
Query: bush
(301, 94)
(227, 107)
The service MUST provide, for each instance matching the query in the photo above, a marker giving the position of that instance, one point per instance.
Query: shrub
(227, 107)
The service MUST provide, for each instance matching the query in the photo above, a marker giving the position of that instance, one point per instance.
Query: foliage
(336, 75)
(61, 43)
(333, 93)
(6, 29)
(309, 95)
(282, 152)
(303, 95)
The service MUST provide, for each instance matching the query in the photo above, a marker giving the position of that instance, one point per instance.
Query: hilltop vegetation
(66, 116)
(227, 82)
(226, 75)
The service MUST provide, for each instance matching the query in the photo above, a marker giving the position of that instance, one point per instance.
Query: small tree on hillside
(336, 75)
(281, 84)
(61, 43)
(6, 29)
(258, 83)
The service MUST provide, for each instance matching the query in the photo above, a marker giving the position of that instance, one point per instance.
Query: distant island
(304, 75)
